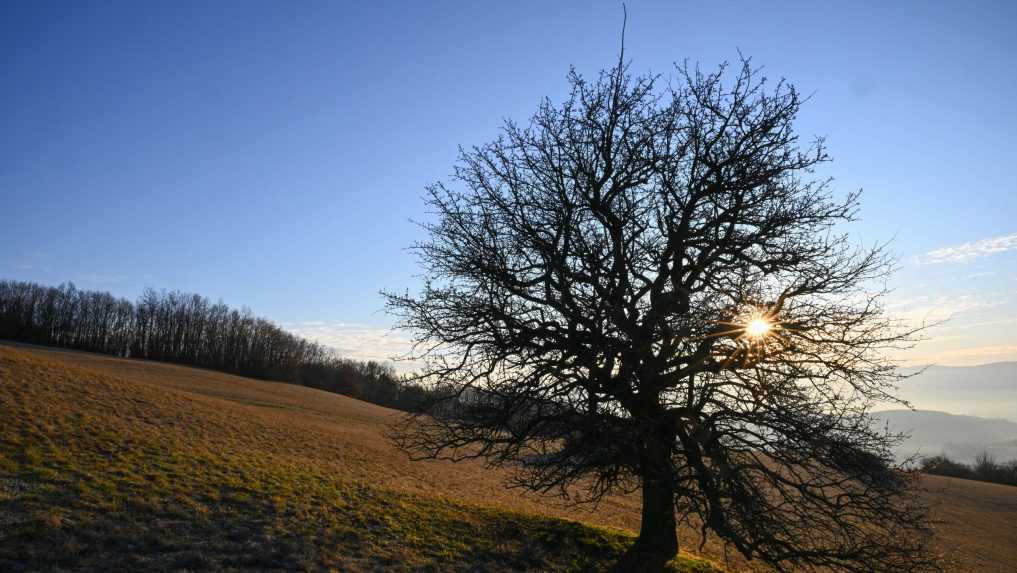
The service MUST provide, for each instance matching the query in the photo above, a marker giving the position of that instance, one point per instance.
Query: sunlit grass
(97, 472)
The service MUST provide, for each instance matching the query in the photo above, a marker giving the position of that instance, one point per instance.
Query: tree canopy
(648, 287)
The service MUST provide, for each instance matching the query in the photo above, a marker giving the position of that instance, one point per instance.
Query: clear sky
(273, 154)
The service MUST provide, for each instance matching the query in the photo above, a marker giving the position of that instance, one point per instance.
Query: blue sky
(273, 154)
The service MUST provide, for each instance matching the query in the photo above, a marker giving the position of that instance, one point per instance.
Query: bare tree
(646, 287)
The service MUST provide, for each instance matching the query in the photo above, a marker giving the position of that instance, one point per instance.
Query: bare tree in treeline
(643, 288)
(190, 329)
(985, 468)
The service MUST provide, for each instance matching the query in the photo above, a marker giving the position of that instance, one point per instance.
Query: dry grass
(171, 467)
(978, 523)
(125, 465)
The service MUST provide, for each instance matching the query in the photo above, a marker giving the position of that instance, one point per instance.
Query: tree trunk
(658, 539)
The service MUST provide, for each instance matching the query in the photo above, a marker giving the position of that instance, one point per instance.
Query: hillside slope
(110, 464)
(168, 467)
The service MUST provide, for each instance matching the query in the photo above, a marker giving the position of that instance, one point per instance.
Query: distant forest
(190, 329)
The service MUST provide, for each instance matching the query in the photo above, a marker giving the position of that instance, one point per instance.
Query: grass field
(117, 464)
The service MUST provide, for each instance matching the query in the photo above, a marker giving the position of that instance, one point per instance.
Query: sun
(753, 327)
(758, 327)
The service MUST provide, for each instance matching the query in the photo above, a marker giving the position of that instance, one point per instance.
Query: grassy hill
(124, 464)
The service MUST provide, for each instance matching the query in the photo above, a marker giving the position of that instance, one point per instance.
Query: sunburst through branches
(754, 330)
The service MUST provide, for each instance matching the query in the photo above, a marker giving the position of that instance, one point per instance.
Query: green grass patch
(103, 474)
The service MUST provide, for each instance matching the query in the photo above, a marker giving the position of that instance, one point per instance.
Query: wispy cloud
(986, 324)
(98, 278)
(965, 356)
(33, 267)
(929, 309)
(981, 275)
(970, 251)
(358, 341)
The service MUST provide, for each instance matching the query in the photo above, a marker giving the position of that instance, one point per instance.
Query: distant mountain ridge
(959, 437)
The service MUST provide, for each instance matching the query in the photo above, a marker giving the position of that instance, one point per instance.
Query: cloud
(966, 356)
(101, 278)
(357, 341)
(928, 309)
(31, 267)
(981, 275)
(987, 323)
(970, 251)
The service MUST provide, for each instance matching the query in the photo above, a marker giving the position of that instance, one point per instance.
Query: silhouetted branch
(587, 275)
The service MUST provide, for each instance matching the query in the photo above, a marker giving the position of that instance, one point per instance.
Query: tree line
(985, 468)
(183, 328)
